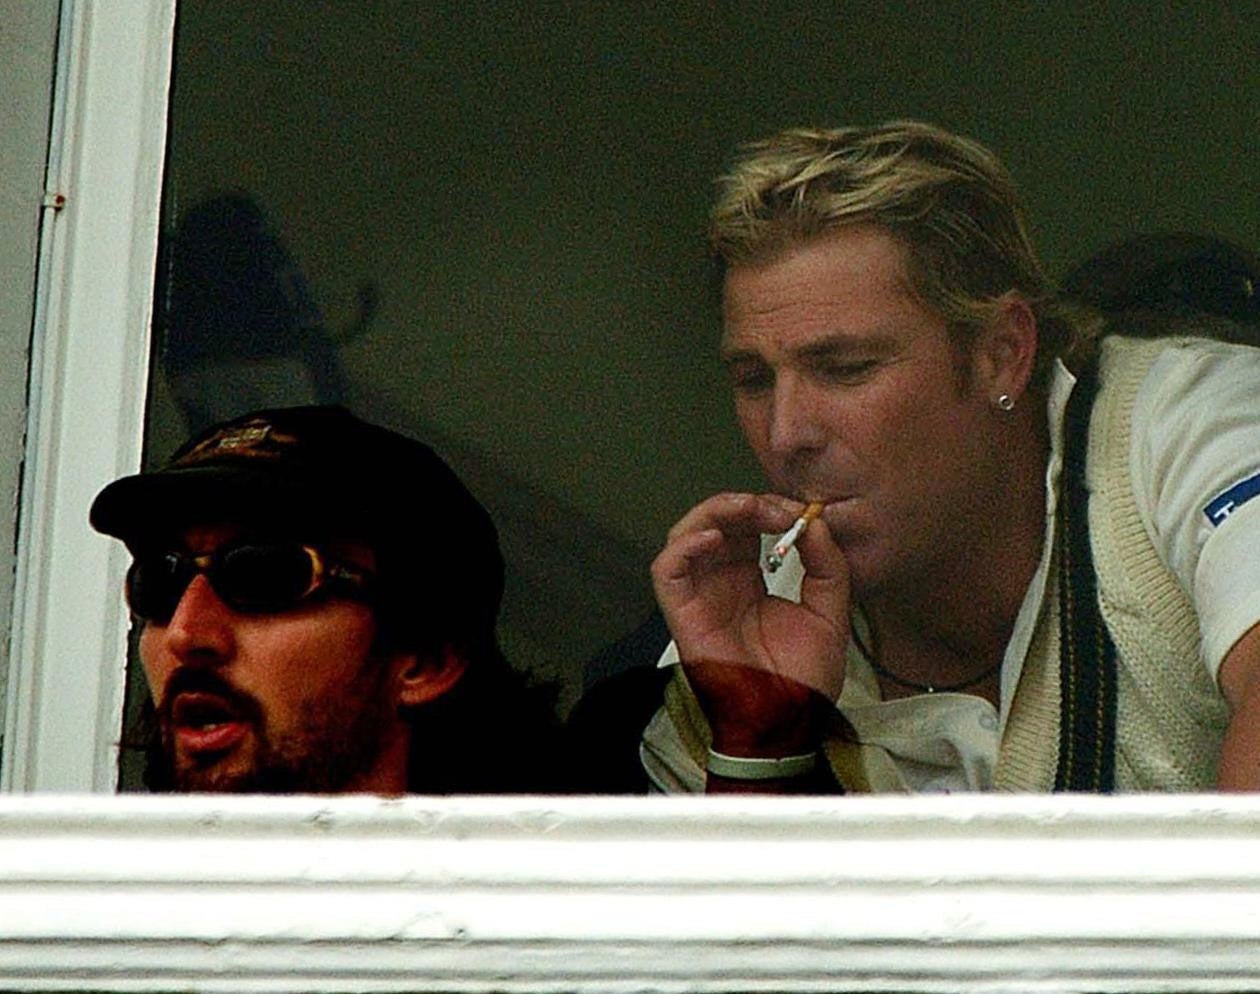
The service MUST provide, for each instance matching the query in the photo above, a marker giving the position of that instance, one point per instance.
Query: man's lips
(837, 513)
(205, 722)
(831, 504)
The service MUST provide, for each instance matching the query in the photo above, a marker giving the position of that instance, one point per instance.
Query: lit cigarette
(774, 559)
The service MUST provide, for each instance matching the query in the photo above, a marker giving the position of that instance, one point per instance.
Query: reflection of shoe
(241, 330)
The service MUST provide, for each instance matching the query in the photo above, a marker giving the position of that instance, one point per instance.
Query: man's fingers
(825, 586)
(739, 514)
(691, 555)
(679, 560)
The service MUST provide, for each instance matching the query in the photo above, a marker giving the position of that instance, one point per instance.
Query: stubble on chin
(235, 773)
(329, 749)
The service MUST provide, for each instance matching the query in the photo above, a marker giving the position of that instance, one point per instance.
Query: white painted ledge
(89, 364)
(1028, 894)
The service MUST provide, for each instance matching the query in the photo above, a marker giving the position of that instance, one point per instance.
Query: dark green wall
(526, 183)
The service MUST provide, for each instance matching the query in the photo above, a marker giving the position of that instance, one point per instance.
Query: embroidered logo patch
(1232, 499)
(255, 439)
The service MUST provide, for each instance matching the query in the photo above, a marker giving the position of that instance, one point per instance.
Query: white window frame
(88, 379)
(107, 893)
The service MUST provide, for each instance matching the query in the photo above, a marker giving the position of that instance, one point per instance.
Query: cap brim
(153, 503)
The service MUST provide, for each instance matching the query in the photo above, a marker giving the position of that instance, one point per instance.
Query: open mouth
(206, 723)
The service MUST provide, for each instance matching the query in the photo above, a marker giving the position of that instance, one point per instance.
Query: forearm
(1239, 768)
(792, 761)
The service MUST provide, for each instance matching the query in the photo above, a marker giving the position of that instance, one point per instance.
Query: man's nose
(202, 629)
(794, 426)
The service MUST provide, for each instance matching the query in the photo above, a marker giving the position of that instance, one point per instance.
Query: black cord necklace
(921, 688)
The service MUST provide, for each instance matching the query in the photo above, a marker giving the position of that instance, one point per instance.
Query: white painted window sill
(629, 894)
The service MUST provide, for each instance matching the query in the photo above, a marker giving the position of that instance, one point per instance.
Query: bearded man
(298, 634)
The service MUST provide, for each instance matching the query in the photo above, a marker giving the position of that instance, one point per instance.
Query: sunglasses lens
(263, 577)
(155, 583)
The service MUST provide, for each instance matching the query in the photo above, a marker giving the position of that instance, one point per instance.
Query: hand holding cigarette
(776, 555)
(731, 633)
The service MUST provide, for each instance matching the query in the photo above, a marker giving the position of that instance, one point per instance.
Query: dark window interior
(481, 223)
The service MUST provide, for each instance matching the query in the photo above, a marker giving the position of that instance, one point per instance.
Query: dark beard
(335, 742)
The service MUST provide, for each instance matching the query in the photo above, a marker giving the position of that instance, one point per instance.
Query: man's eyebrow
(876, 340)
(837, 343)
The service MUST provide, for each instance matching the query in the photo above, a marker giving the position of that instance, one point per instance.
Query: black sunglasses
(253, 578)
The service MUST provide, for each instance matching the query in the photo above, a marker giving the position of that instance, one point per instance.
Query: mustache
(196, 679)
(805, 479)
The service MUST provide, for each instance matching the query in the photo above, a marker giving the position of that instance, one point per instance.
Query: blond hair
(946, 199)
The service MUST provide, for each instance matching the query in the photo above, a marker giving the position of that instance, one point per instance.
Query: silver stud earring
(1004, 403)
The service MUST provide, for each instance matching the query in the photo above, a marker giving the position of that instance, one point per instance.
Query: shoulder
(1178, 376)
(1185, 342)
(1194, 378)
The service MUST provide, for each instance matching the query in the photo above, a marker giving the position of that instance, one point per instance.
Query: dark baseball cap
(323, 471)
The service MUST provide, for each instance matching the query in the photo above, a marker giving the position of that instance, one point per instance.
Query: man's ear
(1007, 350)
(421, 678)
